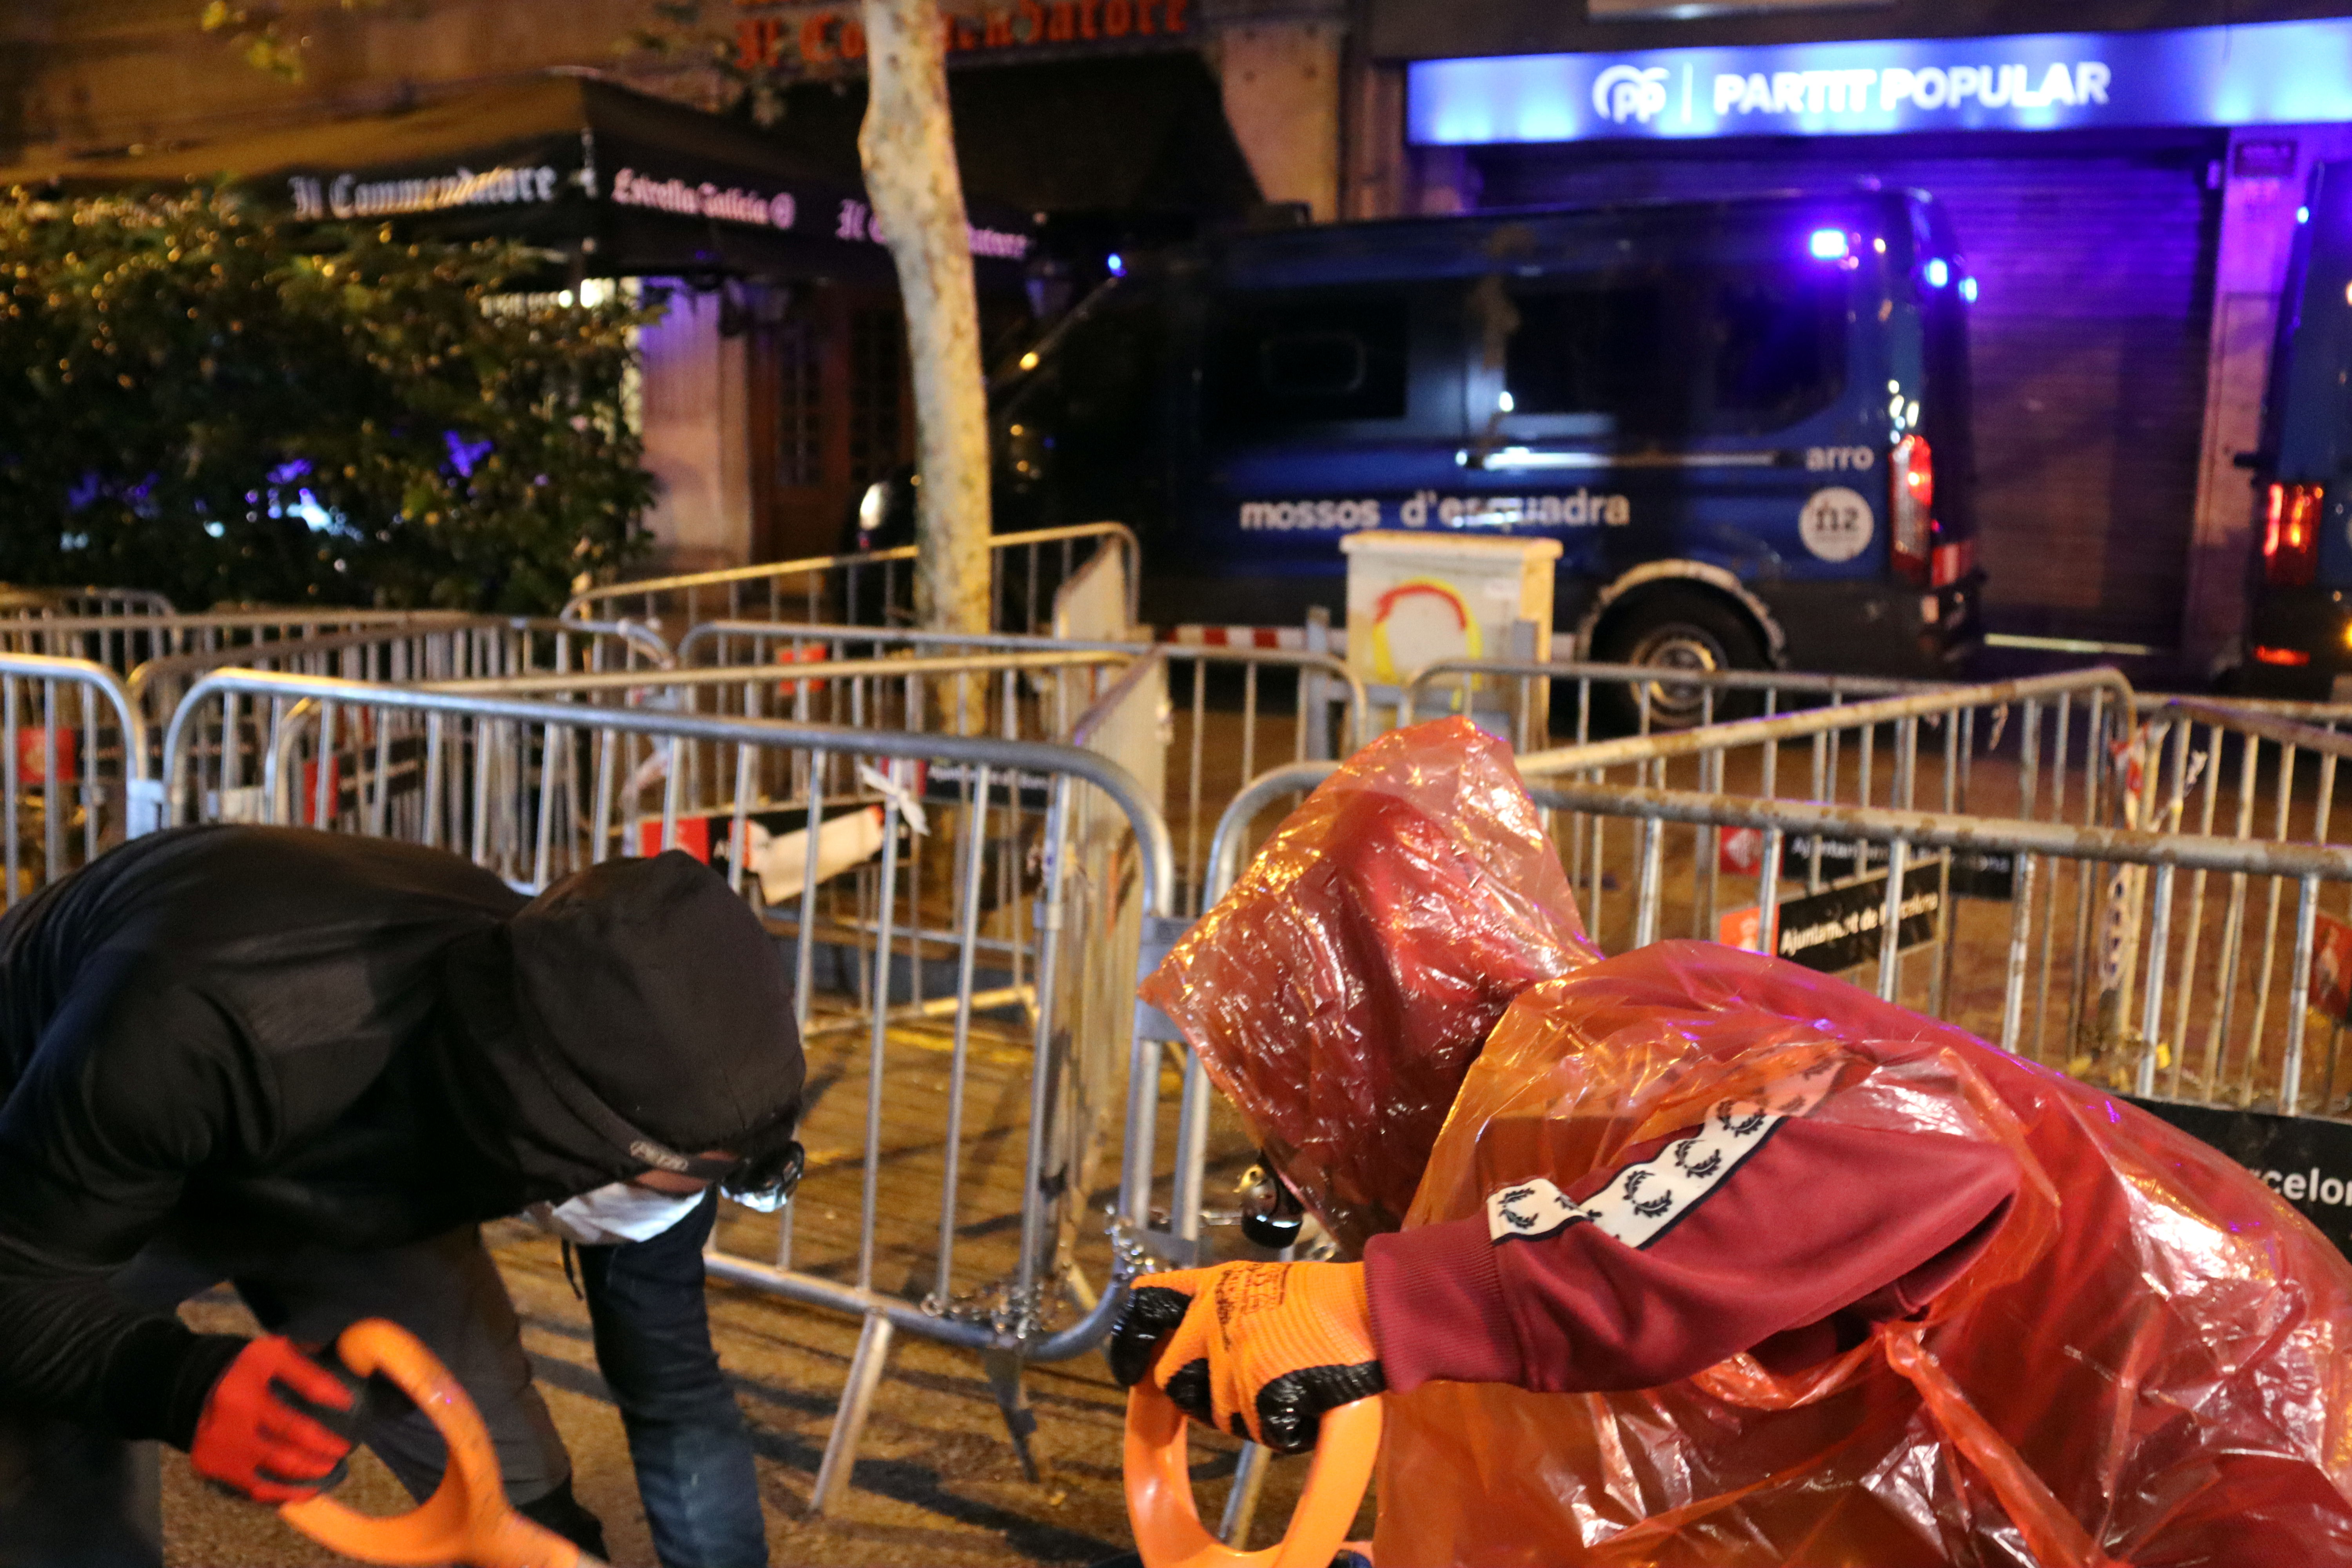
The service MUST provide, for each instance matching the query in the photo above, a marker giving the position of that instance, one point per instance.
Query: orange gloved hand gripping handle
(468, 1519)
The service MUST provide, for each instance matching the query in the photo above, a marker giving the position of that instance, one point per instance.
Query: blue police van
(2298, 625)
(1746, 421)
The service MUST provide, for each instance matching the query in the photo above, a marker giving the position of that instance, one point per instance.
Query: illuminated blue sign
(2267, 74)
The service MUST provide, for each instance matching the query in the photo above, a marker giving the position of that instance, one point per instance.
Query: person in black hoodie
(313, 1064)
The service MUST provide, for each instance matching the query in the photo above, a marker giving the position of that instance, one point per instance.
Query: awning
(629, 184)
(1140, 135)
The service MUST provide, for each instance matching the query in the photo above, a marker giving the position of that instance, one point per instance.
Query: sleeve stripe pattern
(1642, 1202)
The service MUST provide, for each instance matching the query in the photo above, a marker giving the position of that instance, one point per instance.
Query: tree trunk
(909, 150)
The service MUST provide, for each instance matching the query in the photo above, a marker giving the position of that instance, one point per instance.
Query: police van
(1746, 421)
(2298, 640)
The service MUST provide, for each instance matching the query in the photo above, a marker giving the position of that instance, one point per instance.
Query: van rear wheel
(1671, 630)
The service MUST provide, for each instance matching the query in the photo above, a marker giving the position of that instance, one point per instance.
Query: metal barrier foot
(1241, 1502)
(849, 1423)
(1004, 1369)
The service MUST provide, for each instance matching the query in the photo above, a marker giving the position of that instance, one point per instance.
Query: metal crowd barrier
(123, 642)
(1297, 703)
(438, 647)
(2102, 963)
(2137, 947)
(1522, 694)
(21, 603)
(1059, 859)
(398, 652)
(704, 794)
(2217, 768)
(2088, 947)
(2063, 725)
(1304, 704)
(1009, 685)
(88, 696)
(864, 588)
(2097, 700)
(2104, 975)
(2279, 788)
(73, 774)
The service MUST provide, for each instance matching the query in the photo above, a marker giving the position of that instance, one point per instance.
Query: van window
(1108, 369)
(1302, 359)
(1670, 350)
(1094, 405)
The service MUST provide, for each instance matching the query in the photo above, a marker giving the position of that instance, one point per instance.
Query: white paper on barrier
(244, 803)
(780, 860)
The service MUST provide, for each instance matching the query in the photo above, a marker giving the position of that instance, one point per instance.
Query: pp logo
(1628, 93)
(1835, 524)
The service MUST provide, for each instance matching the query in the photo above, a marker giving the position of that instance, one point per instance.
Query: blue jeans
(693, 1458)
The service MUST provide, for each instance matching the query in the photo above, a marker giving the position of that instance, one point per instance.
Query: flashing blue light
(1969, 290)
(2303, 215)
(1830, 245)
(1939, 272)
(1117, 263)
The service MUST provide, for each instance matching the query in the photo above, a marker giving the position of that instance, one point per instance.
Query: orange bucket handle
(1167, 1522)
(468, 1519)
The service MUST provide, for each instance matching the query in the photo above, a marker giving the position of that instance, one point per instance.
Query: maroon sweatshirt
(1774, 1233)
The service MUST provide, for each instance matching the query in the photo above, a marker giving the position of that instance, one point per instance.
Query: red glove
(256, 1434)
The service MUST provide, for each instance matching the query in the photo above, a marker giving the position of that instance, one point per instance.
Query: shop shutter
(2095, 265)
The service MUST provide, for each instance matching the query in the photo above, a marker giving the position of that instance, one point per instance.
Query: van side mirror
(884, 518)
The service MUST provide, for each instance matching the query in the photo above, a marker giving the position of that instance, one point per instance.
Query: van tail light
(2291, 535)
(1911, 501)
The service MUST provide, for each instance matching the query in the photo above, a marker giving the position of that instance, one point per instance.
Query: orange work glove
(1259, 1350)
(260, 1433)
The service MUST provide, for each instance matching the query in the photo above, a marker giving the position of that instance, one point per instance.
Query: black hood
(637, 1003)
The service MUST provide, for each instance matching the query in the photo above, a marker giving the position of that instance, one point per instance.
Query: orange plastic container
(468, 1519)
(1167, 1521)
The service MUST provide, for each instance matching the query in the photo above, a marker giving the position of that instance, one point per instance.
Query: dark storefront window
(828, 393)
(800, 404)
(877, 337)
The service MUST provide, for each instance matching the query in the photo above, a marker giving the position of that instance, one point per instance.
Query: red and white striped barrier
(1291, 639)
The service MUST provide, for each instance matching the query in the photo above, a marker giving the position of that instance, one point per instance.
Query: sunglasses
(761, 1181)
(766, 1181)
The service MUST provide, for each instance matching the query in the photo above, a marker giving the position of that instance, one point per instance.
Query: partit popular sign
(2273, 73)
